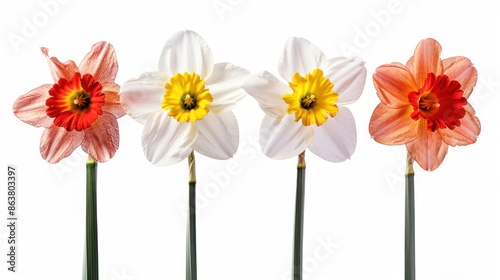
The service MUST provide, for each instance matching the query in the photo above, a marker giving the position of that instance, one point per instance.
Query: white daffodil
(309, 112)
(187, 103)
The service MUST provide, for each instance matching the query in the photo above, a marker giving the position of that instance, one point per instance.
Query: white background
(246, 205)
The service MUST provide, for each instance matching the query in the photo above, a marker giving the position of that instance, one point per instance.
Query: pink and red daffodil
(80, 109)
(424, 104)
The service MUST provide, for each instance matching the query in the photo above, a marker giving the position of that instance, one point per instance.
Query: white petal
(284, 138)
(186, 51)
(165, 141)
(300, 56)
(218, 135)
(225, 86)
(268, 92)
(348, 76)
(335, 140)
(142, 96)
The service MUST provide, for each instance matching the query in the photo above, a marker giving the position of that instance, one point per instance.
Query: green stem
(409, 221)
(191, 267)
(91, 269)
(299, 219)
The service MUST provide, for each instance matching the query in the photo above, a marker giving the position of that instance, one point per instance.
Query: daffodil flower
(186, 105)
(79, 109)
(424, 104)
(309, 111)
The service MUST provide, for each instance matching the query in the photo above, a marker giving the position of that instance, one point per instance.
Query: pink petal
(391, 126)
(112, 100)
(393, 83)
(60, 69)
(31, 108)
(425, 60)
(428, 150)
(58, 143)
(460, 68)
(102, 138)
(100, 62)
(466, 133)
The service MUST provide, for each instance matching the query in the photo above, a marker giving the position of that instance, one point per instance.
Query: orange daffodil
(187, 103)
(424, 104)
(309, 112)
(79, 109)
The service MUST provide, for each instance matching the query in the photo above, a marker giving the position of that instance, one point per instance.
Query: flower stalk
(299, 218)
(91, 260)
(191, 267)
(409, 220)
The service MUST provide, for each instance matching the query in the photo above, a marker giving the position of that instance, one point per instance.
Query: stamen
(308, 101)
(82, 100)
(189, 102)
(428, 102)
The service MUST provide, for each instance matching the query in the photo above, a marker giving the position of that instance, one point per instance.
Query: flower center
(82, 101)
(440, 102)
(312, 99)
(308, 101)
(189, 102)
(186, 97)
(75, 103)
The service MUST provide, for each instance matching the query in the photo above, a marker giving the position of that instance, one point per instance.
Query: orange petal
(425, 60)
(466, 133)
(112, 100)
(460, 68)
(428, 150)
(393, 83)
(58, 143)
(60, 69)
(393, 126)
(102, 138)
(100, 62)
(31, 108)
